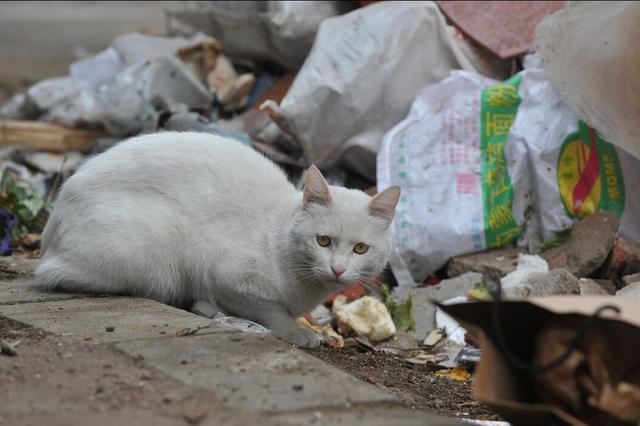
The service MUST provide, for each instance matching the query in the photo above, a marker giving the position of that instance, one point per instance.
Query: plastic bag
(361, 77)
(278, 31)
(483, 164)
(590, 55)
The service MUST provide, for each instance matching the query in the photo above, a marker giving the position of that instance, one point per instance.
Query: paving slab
(381, 415)
(131, 318)
(255, 373)
(25, 290)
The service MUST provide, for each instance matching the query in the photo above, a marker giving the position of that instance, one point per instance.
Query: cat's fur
(196, 220)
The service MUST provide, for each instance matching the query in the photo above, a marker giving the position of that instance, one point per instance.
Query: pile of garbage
(518, 163)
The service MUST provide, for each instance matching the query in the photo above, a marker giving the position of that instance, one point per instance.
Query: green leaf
(482, 291)
(558, 239)
(401, 313)
(34, 205)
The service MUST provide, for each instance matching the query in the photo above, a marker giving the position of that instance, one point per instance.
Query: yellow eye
(360, 248)
(323, 240)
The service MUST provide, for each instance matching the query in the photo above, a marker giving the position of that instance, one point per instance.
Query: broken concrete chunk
(632, 291)
(367, 317)
(424, 312)
(589, 287)
(493, 264)
(556, 282)
(527, 264)
(625, 258)
(588, 246)
(631, 279)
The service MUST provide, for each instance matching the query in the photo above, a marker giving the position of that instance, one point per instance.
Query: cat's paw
(301, 337)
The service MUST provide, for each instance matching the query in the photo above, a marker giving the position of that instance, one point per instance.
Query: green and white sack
(483, 164)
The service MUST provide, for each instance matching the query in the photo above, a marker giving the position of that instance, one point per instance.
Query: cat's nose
(338, 270)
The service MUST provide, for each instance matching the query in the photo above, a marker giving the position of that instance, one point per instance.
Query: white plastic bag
(483, 164)
(276, 31)
(361, 77)
(590, 53)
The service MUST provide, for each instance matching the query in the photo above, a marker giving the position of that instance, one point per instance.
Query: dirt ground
(415, 385)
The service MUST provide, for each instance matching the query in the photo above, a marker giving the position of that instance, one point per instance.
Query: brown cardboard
(509, 391)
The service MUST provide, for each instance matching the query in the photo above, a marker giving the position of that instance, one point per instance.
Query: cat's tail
(53, 275)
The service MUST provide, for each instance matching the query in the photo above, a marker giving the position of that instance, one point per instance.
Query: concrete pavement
(218, 376)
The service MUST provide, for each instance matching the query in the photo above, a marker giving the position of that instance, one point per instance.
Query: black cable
(530, 368)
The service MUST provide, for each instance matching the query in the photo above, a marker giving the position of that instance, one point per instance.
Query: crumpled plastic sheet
(241, 324)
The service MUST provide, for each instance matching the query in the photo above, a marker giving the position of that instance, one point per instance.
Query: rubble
(631, 279)
(589, 287)
(631, 291)
(492, 264)
(590, 242)
(557, 281)
(424, 311)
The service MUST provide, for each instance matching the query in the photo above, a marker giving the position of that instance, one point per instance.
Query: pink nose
(338, 270)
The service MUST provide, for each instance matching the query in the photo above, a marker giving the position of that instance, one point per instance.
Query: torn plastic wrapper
(241, 324)
(613, 368)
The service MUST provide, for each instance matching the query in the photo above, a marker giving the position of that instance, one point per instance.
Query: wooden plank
(46, 136)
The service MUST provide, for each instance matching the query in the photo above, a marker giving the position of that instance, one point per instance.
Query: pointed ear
(383, 205)
(316, 189)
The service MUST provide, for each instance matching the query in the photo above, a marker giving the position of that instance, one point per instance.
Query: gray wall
(38, 38)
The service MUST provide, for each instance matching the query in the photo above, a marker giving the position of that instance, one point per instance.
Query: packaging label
(498, 108)
(589, 174)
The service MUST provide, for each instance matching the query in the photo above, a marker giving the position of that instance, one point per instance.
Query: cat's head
(340, 236)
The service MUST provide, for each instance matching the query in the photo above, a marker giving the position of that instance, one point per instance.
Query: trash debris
(367, 317)
(8, 348)
(351, 54)
(326, 333)
(46, 136)
(280, 32)
(596, 383)
(469, 356)
(424, 312)
(402, 313)
(506, 29)
(455, 332)
(452, 151)
(587, 375)
(241, 324)
(610, 105)
(433, 337)
(458, 373)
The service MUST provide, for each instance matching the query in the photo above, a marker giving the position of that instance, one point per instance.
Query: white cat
(200, 221)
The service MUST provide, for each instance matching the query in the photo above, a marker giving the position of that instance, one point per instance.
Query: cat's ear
(316, 189)
(383, 205)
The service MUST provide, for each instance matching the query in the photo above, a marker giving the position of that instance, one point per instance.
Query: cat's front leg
(271, 314)
(285, 327)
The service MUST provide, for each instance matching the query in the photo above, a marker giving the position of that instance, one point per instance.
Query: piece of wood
(46, 136)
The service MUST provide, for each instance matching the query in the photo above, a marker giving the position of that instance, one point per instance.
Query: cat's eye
(360, 248)
(323, 240)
